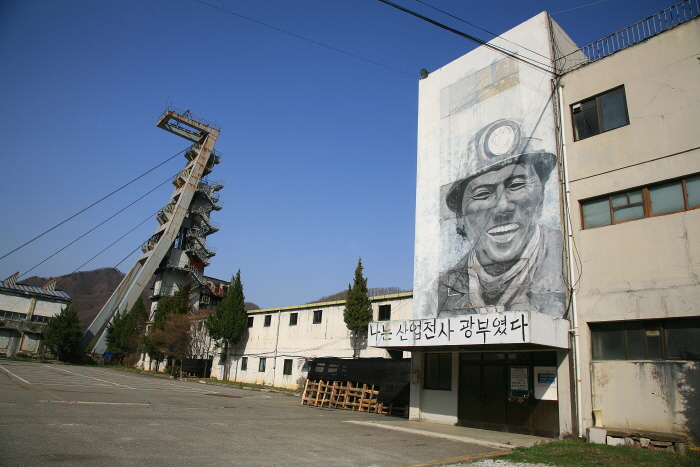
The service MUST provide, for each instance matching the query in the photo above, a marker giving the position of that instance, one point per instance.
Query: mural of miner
(513, 262)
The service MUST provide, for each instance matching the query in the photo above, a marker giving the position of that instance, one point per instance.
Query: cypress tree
(358, 308)
(227, 324)
(62, 334)
(125, 331)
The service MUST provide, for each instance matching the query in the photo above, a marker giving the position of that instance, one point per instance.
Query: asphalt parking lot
(55, 415)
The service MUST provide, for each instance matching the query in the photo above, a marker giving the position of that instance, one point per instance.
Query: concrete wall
(22, 334)
(657, 396)
(14, 303)
(304, 341)
(646, 268)
(464, 107)
(458, 106)
(433, 405)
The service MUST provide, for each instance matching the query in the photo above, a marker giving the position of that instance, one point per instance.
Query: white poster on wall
(546, 383)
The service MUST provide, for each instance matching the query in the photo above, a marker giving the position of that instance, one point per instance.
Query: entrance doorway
(509, 391)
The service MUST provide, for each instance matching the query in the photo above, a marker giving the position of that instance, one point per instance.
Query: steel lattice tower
(178, 252)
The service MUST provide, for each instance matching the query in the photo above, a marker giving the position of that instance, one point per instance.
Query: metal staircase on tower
(177, 252)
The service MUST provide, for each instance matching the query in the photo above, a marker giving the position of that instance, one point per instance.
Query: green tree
(176, 304)
(126, 329)
(358, 308)
(62, 334)
(174, 338)
(227, 324)
(155, 343)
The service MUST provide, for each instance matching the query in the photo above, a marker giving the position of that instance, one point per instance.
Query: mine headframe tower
(178, 252)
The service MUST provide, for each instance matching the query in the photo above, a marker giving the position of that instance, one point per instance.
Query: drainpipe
(574, 331)
(277, 339)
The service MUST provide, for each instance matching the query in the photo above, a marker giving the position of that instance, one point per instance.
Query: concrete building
(279, 342)
(24, 312)
(632, 146)
(556, 255)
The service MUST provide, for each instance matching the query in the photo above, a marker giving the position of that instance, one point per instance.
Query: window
(261, 365)
(318, 316)
(654, 200)
(647, 340)
(293, 317)
(438, 371)
(268, 321)
(244, 364)
(249, 323)
(12, 315)
(600, 113)
(40, 319)
(287, 367)
(384, 313)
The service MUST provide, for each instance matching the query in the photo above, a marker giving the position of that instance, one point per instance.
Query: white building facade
(634, 184)
(279, 342)
(24, 312)
(533, 311)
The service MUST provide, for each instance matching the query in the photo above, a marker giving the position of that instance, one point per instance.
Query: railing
(194, 272)
(210, 191)
(193, 151)
(182, 175)
(213, 186)
(188, 114)
(641, 31)
(163, 290)
(203, 212)
(151, 242)
(200, 253)
(200, 242)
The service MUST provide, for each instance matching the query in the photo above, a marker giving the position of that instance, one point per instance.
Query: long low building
(279, 342)
(24, 312)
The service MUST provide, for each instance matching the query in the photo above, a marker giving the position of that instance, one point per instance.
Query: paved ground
(85, 416)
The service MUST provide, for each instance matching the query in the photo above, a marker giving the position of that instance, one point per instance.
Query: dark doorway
(497, 392)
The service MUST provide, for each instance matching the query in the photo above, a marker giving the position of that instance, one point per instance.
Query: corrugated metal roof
(35, 289)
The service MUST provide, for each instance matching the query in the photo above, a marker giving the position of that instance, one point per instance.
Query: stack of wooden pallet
(347, 396)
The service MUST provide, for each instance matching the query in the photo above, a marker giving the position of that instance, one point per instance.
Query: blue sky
(318, 147)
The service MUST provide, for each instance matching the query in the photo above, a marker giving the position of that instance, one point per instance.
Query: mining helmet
(495, 146)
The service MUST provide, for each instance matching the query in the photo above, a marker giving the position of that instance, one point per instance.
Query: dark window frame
(268, 321)
(318, 317)
(244, 363)
(646, 202)
(14, 315)
(384, 313)
(40, 319)
(646, 330)
(262, 364)
(440, 378)
(249, 322)
(293, 319)
(287, 368)
(577, 108)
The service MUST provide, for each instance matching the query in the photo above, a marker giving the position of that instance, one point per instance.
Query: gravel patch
(497, 463)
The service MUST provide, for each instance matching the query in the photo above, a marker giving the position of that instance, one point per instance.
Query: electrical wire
(529, 62)
(150, 216)
(98, 225)
(92, 205)
(482, 29)
(304, 38)
(577, 7)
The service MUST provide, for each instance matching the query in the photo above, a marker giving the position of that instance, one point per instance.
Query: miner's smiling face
(500, 210)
